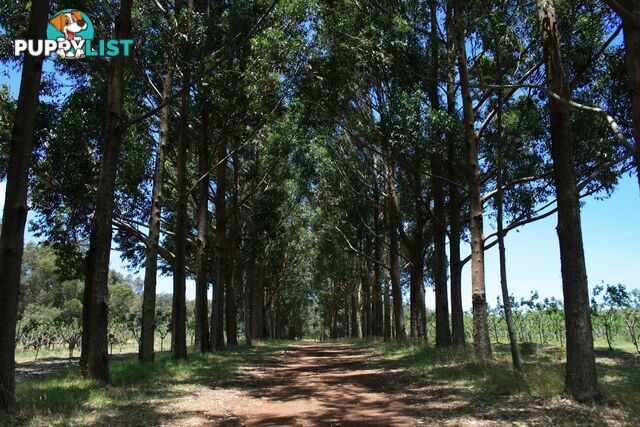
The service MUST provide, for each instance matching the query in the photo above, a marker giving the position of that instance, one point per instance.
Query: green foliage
(50, 309)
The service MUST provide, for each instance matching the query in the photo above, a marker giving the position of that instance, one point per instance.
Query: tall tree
(455, 204)
(147, 334)
(235, 262)
(202, 265)
(221, 251)
(481, 342)
(94, 359)
(378, 274)
(581, 380)
(443, 333)
(394, 261)
(506, 300)
(178, 306)
(14, 214)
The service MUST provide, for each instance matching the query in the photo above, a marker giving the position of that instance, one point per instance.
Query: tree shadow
(349, 386)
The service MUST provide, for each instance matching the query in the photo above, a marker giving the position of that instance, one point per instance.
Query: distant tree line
(50, 311)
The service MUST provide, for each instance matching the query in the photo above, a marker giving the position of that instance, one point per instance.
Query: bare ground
(339, 384)
(325, 384)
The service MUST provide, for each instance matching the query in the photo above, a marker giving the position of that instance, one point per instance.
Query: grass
(139, 393)
(136, 391)
(60, 351)
(543, 376)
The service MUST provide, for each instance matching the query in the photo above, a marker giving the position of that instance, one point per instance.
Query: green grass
(134, 392)
(543, 376)
(60, 351)
(137, 392)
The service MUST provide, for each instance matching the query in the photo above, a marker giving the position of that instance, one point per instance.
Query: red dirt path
(340, 385)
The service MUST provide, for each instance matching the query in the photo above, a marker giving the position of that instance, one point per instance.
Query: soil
(342, 385)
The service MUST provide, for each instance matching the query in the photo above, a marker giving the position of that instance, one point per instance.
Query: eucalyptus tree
(146, 350)
(581, 378)
(178, 311)
(14, 213)
(94, 360)
(481, 342)
(455, 203)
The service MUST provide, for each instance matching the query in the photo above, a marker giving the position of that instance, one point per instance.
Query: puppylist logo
(70, 35)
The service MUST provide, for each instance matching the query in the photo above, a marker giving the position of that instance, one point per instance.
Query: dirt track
(309, 384)
(339, 384)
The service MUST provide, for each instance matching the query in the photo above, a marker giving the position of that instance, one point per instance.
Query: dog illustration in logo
(69, 24)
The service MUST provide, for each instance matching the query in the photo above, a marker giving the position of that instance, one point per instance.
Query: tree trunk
(506, 302)
(455, 206)
(481, 341)
(417, 313)
(396, 286)
(443, 333)
(581, 380)
(417, 284)
(250, 276)
(235, 264)
(94, 360)
(387, 309)
(256, 301)
(413, 306)
(15, 205)
(377, 299)
(365, 309)
(178, 305)
(355, 331)
(148, 327)
(202, 276)
(221, 245)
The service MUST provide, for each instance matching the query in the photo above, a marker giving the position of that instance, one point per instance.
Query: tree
(201, 261)
(146, 351)
(94, 360)
(394, 270)
(631, 315)
(178, 311)
(481, 342)
(71, 334)
(506, 300)
(15, 205)
(455, 203)
(614, 299)
(581, 382)
(221, 248)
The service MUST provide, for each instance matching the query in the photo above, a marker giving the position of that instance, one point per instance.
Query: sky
(611, 233)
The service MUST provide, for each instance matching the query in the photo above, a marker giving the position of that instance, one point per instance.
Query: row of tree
(300, 155)
(409, 171)
(615, 317)
(175, 206)
(50, 309)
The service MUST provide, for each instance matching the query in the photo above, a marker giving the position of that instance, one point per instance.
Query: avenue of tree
(314, 161)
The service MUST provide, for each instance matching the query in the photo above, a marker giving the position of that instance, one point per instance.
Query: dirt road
(341, 385)
(310, 384)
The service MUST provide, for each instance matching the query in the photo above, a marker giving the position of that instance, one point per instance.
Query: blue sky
(611, 233)
(610, 229)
